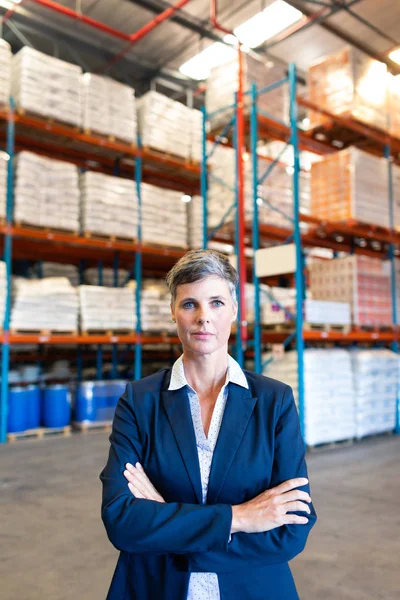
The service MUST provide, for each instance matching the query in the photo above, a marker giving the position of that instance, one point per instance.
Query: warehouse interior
(134, 130)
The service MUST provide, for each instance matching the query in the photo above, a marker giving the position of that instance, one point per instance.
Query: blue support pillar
(255, 232)
(203, 179)
(138, 265)
(239, 345)
(114, 372)
(395, 344)
(297, 240)
(5, 354)
(99, 359)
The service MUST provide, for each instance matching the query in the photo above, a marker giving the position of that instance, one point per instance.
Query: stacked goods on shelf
(361, 281)
(376, 374)
(277, 305)
(164, 219)
(329, 411)
(95, 401)
(275, 196)
(196, 136)
(350, 184)
(108, 107)
(156, 311)
(320, 312)
(47, 86)
(165, 124)
(195, 222)
(5, 72)
(396, 195)
(46, 192)
(91, 277)
(3, 186)
(3, 291)
(394, 105)
(222, 85)
(49, 304)
(349, 83)
(104, 308)
(52, 269)
(109, 205)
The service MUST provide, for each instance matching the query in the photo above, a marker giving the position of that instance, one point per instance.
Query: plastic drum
(56, 406)
(23, 408)
(96, 400)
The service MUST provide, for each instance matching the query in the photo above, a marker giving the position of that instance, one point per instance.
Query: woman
(205, 491)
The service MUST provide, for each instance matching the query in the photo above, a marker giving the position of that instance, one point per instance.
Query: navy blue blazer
(259, 446)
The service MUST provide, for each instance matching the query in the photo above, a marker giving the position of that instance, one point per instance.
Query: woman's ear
(235, 311)
(172, 312)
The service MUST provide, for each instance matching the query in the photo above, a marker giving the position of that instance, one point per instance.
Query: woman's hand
(269, 509)
(139, 484)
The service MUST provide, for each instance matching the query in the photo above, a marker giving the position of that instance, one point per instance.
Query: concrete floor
(53, 545)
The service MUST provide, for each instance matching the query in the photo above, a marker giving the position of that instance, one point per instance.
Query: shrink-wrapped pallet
(361, 281)
(5, 72)
(109, 205)
(166, 125)
(222, 85)
(105, 308)
(52, 269)
(349, 83)
(164, 219)
(350, 184)
(155, 306)
(47, 86)
(277, 305)
(108, 107)
(46, 192)
(44, 304)
(376, 374)
(329, 407)
(91, 277)
(3, 186)
(394, 104)
(322, 312)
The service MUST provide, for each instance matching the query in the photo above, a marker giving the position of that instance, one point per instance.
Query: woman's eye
(218, 303)
(188, 305)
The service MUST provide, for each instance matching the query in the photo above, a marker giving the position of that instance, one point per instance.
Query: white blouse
(204, 586)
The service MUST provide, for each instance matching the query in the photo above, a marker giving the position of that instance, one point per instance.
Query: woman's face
(204, 312)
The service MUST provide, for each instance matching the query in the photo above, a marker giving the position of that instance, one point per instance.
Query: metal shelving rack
(347, 237)
(19, 132)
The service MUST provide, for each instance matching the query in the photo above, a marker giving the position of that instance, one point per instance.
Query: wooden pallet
(33, 227)
(108, 332)
(40, 433)
(51, 120)
(326, 327)
(287, 326)
(373, 328)
(44, 332)
(170, 155)
(107, 137)
(86, 427)
(109, 238)
(332, 445)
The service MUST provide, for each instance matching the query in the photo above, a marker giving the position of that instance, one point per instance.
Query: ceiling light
(199, 66)
(395, 56)
(266, 24)
(186, 198)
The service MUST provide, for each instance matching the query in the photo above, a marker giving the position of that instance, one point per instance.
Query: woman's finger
(135, 491)
(295, 495)
(141, 476)
(136, 482)
(289, 485)
(296, 507)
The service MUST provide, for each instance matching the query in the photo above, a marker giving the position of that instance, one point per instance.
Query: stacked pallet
(196, 136)
(49, 304)
(394, 105)
(164, 219)
(108, 107)
(195, 222)
(155, 307)
(3, 291)
(361, 281)
(109, 205)
(3, 186)
(329, 409)
(277, 305)
(222, 85)
(322, 312)
(46, 192)
(165, 124)
(91, 277)
(350, 184)
(376, 376)
(5, 72)
(106, 309)
(349, 83)
(47, 86)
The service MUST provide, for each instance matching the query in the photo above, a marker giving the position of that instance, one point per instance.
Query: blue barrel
(23, 409)
(96, 400)
(56, 406)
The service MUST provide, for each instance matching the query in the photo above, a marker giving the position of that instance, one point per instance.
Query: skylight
(395, 56)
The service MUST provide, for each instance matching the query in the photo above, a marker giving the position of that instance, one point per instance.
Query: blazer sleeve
(281, 544)
(137, 525)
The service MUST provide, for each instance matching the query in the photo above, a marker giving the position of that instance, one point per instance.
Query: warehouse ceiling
(327, 26)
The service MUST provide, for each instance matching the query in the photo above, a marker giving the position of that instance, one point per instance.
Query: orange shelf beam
(85, 340)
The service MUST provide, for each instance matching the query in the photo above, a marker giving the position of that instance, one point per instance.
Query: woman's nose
(202, 317)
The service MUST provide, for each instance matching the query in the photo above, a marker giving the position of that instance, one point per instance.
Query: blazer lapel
(176, 404)
(238, 409)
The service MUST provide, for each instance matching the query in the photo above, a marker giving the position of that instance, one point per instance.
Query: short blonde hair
(198, 264)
